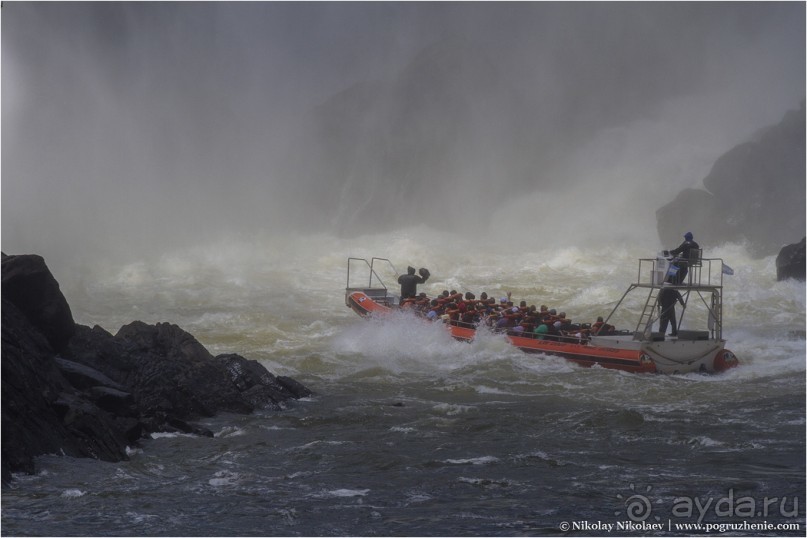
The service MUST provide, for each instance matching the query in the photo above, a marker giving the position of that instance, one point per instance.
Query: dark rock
(258, 385)
(175, 372)
(294, 386)
(29, 284)
(790, 263)
(114, 401)
(755, 194)
(84, 377)
(92, 428)
(42, 413)
(104, 392)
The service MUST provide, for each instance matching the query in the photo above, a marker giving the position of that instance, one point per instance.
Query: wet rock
(30, 286)
(258, 385)
(80, 391)
(753, 194)
(42, 413)
(173, 371)
(790, 263)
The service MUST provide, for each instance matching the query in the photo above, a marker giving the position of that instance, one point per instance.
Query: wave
(281, 300)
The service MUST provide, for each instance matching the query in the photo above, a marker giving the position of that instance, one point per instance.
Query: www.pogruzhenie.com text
(636, 511)
(671, 526)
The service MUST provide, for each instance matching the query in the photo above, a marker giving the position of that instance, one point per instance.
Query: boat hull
(364, 305)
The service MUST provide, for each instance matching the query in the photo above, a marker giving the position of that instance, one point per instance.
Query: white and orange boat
(636, 350)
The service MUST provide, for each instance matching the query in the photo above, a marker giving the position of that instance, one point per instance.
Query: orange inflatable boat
(639, 350)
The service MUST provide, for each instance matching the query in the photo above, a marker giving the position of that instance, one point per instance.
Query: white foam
(224, 479)
(482, 460)
(344, 492)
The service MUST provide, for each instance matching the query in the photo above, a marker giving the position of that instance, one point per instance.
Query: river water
(412, 433)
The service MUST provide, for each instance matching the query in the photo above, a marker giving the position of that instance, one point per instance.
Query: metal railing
(705, 272)
(378, 291)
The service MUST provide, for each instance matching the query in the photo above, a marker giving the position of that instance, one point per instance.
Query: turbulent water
(412, 433)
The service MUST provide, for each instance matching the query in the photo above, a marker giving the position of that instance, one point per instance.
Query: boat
(638, 349)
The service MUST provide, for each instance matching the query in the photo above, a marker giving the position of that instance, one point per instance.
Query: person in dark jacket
(410, 280)
(684, 254)
(667, 298)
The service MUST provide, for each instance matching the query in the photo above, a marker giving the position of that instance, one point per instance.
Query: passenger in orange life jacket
(421, 303)
(453, 312)
(410, 280)
(601, 328)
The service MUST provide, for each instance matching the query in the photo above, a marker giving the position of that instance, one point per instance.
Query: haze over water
(150, 154)
(134, 129)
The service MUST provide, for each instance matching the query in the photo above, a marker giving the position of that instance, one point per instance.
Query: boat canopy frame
(378, 292)
(704, 280)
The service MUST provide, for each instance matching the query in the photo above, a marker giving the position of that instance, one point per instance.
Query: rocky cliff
(83, 392)
(791, 262)
(754, 194)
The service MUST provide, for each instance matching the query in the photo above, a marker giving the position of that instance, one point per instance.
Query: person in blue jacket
(683, 255)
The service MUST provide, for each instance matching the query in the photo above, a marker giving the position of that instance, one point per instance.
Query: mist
(131, 129)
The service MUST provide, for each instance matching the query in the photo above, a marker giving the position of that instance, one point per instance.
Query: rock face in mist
(376, 148)
(458, 131)
(756, 194)
(790, 263)
(80, 391)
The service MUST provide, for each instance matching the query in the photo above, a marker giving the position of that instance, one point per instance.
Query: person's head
(410, 270)
(445, 293)
(523, 304)
(544, 308)
(562, 315)
(688, 236)
(484, 296)
(599, 318)
(469, 296)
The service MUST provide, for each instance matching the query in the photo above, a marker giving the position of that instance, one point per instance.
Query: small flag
(727, 270)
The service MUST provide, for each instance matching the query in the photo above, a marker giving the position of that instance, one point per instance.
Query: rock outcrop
(80, 391)
(755, 194)
(790, 263)
(29, 284)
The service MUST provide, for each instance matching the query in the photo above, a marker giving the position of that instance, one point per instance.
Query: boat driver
(684, 254)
